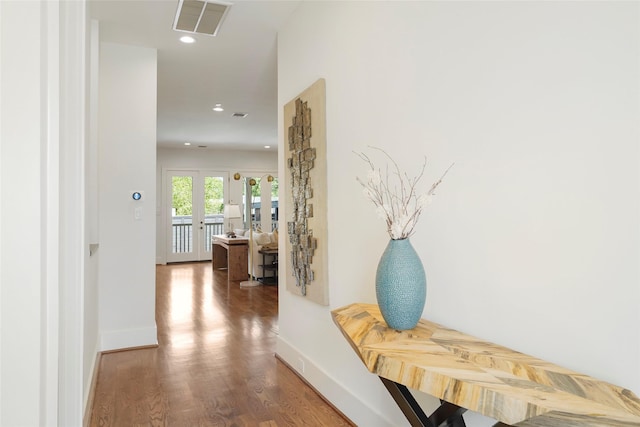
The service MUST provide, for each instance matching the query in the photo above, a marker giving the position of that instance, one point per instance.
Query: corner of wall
(330, 388)
(128, 338)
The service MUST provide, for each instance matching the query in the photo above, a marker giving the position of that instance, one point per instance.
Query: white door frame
(199, 253)
(181, 256)
(58, 111)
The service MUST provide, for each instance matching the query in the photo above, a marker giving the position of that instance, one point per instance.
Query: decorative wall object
(305, 190)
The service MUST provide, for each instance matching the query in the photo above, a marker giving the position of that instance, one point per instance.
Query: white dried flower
(395, 196)
(381, 212)
(396, 231)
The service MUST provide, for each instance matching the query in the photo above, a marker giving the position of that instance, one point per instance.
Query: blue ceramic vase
(401, 285)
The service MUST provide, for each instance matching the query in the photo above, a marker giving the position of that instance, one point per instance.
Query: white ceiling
(237, 69)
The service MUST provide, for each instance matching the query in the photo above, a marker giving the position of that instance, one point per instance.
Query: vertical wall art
(305, 190)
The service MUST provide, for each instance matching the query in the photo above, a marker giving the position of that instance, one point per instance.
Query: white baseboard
(349, 404)
(128, 338)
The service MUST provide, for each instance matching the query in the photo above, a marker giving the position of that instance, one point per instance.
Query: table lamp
(231, 211)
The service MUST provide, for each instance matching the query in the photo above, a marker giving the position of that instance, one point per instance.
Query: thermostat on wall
(136, 195)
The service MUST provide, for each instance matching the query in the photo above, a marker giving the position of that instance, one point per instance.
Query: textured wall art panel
(305, 192)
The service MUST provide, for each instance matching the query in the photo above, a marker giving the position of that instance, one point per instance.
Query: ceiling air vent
(200, 17)
(241, 115)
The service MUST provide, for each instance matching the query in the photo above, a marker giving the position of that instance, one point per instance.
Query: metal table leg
(447, 414)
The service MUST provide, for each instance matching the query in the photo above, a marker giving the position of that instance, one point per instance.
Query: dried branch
(399, 207)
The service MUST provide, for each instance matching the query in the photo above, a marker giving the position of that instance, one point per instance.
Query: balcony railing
(182, 235)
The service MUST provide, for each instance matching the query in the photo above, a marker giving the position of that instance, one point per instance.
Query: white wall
(41, 215)
(127, 146)
(92, 241)
(247, 163)
(72, 249)
(533, 239)
(22, 261)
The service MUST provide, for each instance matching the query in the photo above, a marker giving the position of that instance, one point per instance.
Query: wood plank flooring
(215, 363)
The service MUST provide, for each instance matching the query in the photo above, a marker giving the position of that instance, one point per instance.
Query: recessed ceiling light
(267, 146)
(187, 143)
(187, 39)
(218, 108)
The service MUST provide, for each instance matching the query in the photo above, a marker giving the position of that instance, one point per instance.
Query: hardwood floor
(215, 363)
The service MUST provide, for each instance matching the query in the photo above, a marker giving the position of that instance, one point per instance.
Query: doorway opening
(196, 202)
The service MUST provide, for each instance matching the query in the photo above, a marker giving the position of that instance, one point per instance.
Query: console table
(467, 373)
(231, 253)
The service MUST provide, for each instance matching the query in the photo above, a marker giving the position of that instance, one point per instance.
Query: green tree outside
(213, 195)
(182, 191)
(255, 190)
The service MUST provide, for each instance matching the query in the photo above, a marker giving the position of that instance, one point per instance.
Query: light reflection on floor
(214, 364)
(198, 312)
(191, 300)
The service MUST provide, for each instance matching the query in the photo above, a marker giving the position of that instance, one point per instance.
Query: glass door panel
(213, 211)
(181, 186)
(274, 203)
(260, 196)
(196, 200)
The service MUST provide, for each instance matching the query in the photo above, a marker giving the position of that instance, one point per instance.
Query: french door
(195, 200)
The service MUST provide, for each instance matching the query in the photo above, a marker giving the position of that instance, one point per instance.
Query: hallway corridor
(214, 365)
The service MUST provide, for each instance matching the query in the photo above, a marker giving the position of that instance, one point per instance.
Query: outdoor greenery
(255, 190)
(214, 194)
(183, 188)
